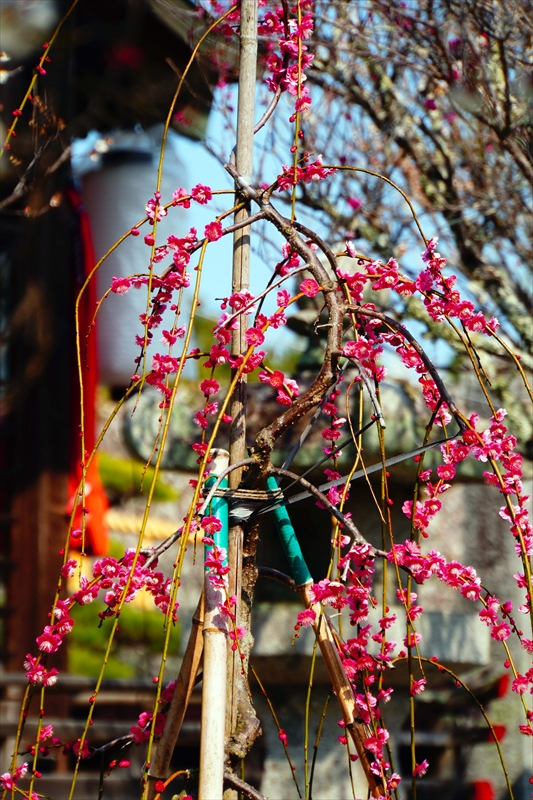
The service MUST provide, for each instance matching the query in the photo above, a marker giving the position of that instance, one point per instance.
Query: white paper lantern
(115, 196)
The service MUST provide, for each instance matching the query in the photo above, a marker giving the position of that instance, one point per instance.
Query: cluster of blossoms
(240, 303)
(287, 388)
(210, 407)
(141, 731)
(47, 740)
(174, 279)
(308, 173)
(290, 260)
(36, 672)
(440, 297)
(493, 444)
(123, 580)
(287, 67)
(356, 593)
(495, 614)
(331, 434)
(216, 559)
(359, 665)
(442, 300)
(9, 780)
(368, 349)
(118, 580)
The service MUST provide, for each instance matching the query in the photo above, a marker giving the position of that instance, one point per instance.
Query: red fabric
(503, 684)
(96, 504)
(483, 790)
(499, 733)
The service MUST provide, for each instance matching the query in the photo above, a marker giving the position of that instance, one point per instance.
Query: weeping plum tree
(358, 312)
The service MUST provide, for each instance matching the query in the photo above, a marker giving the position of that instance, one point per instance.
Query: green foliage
(83, 661)
(139, 635)
(123, 476)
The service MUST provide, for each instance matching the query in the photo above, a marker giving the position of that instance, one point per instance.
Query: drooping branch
(420, 351)
(267, 438)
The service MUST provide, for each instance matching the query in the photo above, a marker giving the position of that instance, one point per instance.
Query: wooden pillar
(37, 534)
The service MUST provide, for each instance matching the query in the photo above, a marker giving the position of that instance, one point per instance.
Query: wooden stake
(241, 282)
(180, 701)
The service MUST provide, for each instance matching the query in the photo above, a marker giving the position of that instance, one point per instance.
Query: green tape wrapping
(218, 507)
(298, 568)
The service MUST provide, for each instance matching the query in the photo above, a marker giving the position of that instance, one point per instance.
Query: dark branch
(244, 788)
(276, 575)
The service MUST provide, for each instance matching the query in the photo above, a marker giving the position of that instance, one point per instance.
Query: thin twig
(371, 390)
(421, 352)
(153, 555)
(268, 113)
(22, 185)
(127, 739)
(249, 791)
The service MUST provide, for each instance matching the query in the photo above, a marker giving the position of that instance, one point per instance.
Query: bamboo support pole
(241, 239)
(241, 282)
(212, 736)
